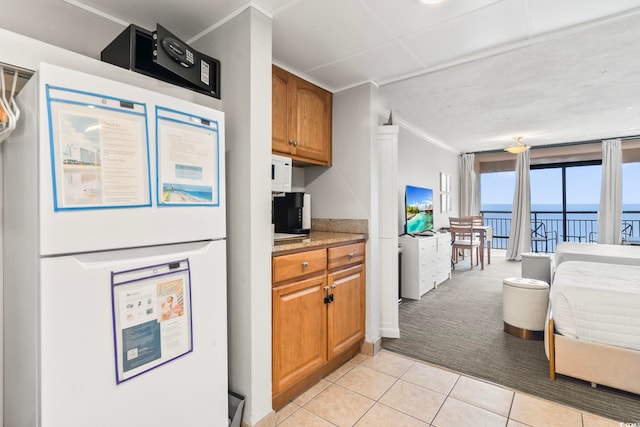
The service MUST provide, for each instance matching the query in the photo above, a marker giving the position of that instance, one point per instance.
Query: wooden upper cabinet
(280, 111)
(301, 119)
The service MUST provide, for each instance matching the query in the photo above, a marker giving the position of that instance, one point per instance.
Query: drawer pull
(350, 255)
(305, 264)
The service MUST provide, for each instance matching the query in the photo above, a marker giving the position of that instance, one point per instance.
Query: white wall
(243, 46)
(420, 164)
(348, 189)
(343, 190)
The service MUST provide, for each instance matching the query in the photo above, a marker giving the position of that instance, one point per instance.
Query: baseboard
(268, 421)
(390, 332)
(370, 348)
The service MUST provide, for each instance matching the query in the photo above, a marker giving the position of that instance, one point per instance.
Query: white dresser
(426, 262)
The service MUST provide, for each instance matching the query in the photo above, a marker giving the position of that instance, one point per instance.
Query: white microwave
(280, 174)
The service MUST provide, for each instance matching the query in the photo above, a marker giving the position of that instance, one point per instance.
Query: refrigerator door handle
(101, 259)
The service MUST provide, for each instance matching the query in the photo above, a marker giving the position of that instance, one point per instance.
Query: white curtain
(520, 233)
(469, 186)
(610, 213)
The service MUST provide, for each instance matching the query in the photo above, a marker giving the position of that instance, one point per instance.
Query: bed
(597, 252)
(593, 328)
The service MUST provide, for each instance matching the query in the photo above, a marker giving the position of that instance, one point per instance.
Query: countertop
(315, 239)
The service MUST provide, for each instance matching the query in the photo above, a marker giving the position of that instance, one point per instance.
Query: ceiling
(469, 75)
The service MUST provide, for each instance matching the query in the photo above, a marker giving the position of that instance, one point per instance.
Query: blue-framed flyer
(188, 159)
(99, 150)
(152, 323)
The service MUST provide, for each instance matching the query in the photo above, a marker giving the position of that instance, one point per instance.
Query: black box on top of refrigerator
(162, 55)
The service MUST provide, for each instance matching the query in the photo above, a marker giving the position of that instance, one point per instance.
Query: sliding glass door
(565, 198)
(631, 202)
(496, 193)
(546, 208)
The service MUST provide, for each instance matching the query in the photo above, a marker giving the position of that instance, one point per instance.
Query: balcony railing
(582, 226)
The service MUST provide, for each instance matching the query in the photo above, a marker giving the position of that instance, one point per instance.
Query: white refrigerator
(115, 258)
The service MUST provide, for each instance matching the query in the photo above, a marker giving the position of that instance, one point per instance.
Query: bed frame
(602, 364)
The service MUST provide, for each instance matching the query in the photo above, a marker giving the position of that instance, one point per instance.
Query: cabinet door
(281, 111)
(346, 312)
(311, 123)
(299, 331)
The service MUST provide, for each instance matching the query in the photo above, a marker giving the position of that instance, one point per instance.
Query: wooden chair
(476, 221)
(463, 238)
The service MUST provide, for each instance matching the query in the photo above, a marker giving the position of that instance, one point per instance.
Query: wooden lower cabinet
(299, 323)
(318, 316)
(346, 313)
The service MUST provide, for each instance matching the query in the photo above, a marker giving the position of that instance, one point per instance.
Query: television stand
(426, 263)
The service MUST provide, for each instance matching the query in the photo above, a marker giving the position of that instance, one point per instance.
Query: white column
(388, 229)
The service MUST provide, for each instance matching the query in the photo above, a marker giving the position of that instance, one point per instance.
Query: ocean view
(554, 211)
(582, 221)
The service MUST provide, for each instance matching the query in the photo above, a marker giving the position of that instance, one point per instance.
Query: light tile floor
(389, 390)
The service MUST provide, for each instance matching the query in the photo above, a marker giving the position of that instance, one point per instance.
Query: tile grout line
(413, 362)
(378, 399)
(445, 399)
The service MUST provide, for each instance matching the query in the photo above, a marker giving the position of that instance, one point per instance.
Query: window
(630, 200)
(496, 193)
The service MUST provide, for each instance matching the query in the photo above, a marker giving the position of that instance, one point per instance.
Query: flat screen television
(418, 207)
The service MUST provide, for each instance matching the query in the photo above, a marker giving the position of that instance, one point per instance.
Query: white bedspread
(596, 252)
(597, 302)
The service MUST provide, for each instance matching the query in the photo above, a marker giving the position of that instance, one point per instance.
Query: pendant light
(517, 146)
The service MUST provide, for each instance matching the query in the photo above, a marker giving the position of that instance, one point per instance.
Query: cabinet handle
(333, 286)
(291, 142)
(326, 288)
(350, 255)
(296, 143)
(305, 264)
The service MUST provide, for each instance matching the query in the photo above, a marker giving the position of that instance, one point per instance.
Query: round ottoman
(524, 307)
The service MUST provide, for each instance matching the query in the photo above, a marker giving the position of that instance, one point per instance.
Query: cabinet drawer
(347, 254)
(428, 245)
(300, 264)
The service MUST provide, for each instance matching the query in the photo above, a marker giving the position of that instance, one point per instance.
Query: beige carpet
(459, 326)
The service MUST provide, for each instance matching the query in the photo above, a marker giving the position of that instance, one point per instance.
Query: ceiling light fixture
(517, 146)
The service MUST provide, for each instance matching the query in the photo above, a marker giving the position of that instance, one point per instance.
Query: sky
(583, 185)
